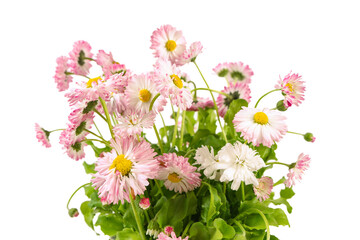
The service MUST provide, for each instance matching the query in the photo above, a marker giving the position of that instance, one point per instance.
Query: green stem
(296, 133)
(137, 218)
(159, 187)
(241, 227)
(103, 104)
(98, 129)
(265, 95)
(186, 229)
(147, 216)
(224, 188)
(189, 151)
(95, 134)
(280, 163)
(70, 73)
(153, 101)
(167, 136)
(182, 129)
(266, 223)
(212, 90)
(87, 58)
(242, 191)
(215, 105)
(175, 128)
(60, 129)
(97, 140)
(72, 195)
(100, 114)
(158, 138)
(115, 118)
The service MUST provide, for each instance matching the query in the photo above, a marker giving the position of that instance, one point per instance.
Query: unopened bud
(168, 230)
(281, 106)
(144, 203)
(309, 137)
(73, 212)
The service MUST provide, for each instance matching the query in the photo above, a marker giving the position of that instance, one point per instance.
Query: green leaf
(207, 119)
(211, 204)
(201, 133)
(278, 217)
(89, 189)
(98, 150)
(234, 108)
(280, 201)
(128, 234)
(247, 207)
(88, 213)
(254, 221)
(226, 230)
(255, 235)
(89, 168)
(110, 224)
(287, 193)
(198, 232)
(190, 122)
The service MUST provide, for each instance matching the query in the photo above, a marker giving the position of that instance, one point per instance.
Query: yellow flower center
(261, 118)
(144, 95)
(290, 87)
(121, 164)
(89, 83)
(177, 81)
(170, 45)
(174, 177)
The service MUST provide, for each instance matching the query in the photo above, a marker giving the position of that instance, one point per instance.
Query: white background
(318, 39)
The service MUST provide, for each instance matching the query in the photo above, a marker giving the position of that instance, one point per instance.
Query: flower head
(62, 77)
(79, 58)
(238, 162)
(168, 43)
(263, 190)
(163, 236)
(177, 173)
(125, 170)
(42, 135)
(132, 123)
(190, 54)
(234, 72)
(296, 172)
(144, 203)
(235, 91)
(207, 161)
(260, 126)
(293, 89)
(201, 103)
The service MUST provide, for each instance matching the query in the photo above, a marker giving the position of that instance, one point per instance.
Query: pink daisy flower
(115, 68)
(170, 84)
(144, 203)
(260, 126)
(42, 135)
(239, 72)
(132, 123)
(177, 173)
(168, 230)
(140, 92)
(62, 77)
(168, 43)
(117, 104)
(222, 69)
(190, 54)
(236, 90)
(104, 59)
(78, 58)
(163, 236)
(296, 172)
(293, 89)
(201, 103)
(125, 170)
(82, 111)
(76, 150)
(263, 190)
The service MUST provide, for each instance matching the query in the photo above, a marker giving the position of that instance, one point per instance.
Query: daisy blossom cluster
(205, 175)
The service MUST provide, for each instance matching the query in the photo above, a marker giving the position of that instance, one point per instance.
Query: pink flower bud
(144, 203)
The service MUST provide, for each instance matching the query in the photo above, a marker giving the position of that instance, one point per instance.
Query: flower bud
(144, 203)
(73, 212)
(281, 106)
(168, 230)
(309, 137)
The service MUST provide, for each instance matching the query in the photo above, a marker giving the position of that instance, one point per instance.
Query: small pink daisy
(62, 77)
(239, 72)
(190, 54)
(125, 170)
(79, 62)
(168, 43)
(170, 84)
(236, 90)
(177, 173)
(42, 135)
(144, 203)
(163, 236)
(293, 89)
(222, 69)
(104, 59)
(263, 190)
(132, 123)
(260, 126)
(115, 68)
(201, 103)
(296, 172)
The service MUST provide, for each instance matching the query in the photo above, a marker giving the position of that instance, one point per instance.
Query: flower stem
(182, 129)
(103, 104)
(175, 128)
(296, 133)
(60, 129)
(167, 136)
(212, 90)
(137, 218)
(98, 129)
(280, 163)
(242, 191)
(97, 140)
(215, 105)
(186, 229)
(158, 138)
(266, 223)
(265, 95)
(153, 101)
(159, 187)
(95, 134)
(72, 195)
(100, 114)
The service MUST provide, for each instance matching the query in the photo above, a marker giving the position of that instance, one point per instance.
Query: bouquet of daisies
(205, 176)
